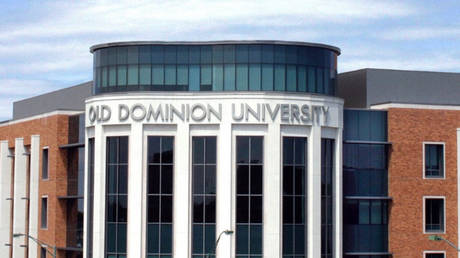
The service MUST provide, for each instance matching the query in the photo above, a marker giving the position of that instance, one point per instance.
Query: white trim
(414, 106)
(52, 113)
(433, 252)
(443, 161)
(444, 213)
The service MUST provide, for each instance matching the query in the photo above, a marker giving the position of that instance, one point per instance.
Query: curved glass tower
(215, 66)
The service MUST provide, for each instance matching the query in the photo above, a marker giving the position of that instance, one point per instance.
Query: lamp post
(40, 243)
(226, 232)
(439, 238)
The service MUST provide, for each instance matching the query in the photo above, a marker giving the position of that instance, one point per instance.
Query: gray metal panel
(351, 86)
(415, 87)
(72, 98)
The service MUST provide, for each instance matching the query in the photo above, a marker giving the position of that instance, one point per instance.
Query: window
(116, 196)
(434, 255)
(42, 252)
(434, 160)
(44, 222)
(294, 197)
(327, 167)
(434, 214)
(45, 164)
(249, 196)
(160, 178)
(204, 196)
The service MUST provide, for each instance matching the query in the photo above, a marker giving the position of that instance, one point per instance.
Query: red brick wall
(53, 131)
(407, 130)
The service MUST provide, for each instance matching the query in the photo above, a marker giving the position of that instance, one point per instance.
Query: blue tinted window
(242, 77)
(218, 77)
(116, 204)
(229, 77)
(254, 77)
(182, 75)
(170, 54)
(182, 55)
(267, 77)
(145, 55)
(280, 77)
(160, 195)
(291, 78)
(204, 195)
(133, 55)
(206, 74)
(249, 197)
(194, 78)
(267, 67)
(158, 74)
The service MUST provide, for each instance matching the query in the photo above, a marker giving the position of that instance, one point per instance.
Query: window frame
(199, 133)
(164, 131)
(255, 131)
(433, 252)
(46, 148)
(443, 231)
(443, 144)
(41, 212)
(306, 138)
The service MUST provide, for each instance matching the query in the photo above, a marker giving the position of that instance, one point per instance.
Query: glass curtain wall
(116, 197)
(230, 67)
(204, 196)
(249, 196)
(294, 197)
(160, 178)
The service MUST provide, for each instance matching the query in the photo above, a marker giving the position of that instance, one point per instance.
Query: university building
(233, 149)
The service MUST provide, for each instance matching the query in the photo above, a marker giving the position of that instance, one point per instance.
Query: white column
(19, 211)
(314, 193)
(99, 193)
(135, 192)
(33, 192)
(5, 194)
(224, 194)
(337, 195)
(181, 207)
(272, 192)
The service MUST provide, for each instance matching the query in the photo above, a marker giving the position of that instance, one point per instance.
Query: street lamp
(439, 238)
(40, 243)
(226, 232)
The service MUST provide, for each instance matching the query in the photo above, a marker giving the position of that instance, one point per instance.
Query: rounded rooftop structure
(219, 66)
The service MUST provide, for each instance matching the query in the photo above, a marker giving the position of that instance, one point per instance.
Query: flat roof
(219, 42)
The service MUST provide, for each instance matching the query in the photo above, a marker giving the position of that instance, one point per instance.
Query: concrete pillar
(224, 210)
(33, 193)
(337, 195)
(20, 195)
(314, 193)
(135, 192)
(181, 207)
(99, 192)
(5, 195)
(272, 192)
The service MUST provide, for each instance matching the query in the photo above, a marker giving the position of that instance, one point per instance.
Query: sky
(44, 45)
